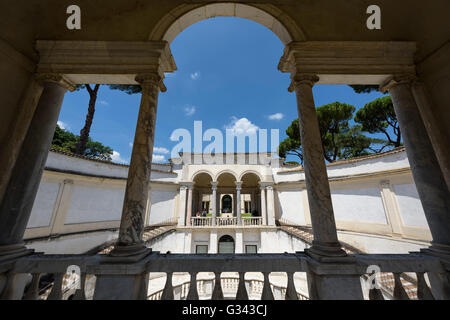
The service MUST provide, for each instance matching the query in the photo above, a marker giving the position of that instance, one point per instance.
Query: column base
(14, 251)
(127, 254)
(328, 252)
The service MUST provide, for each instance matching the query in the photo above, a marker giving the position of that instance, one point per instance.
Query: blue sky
(227, 76)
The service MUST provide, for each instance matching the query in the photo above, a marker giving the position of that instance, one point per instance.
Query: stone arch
(216, 178)
(267, 15)
(250, 172)
(197, 173)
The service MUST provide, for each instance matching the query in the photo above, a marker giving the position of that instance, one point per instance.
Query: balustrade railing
(97, 265)
(225, 221)
(229, 287)
(201, 221)
(252, 221)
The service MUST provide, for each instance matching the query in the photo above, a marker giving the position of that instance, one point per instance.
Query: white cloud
(160, 150)
(63, 125)
(117, 158)
(189, 110)
(158, 158)
(104, 102)
(195, 75)
(276, 116)
(242, 126)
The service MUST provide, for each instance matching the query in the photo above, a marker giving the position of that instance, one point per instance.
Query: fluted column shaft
(214, 202)
(263, 205)
(270, 206)
(319, 195)
(238, 202)
(189, 205)
(430, 183)
(23, 185)
(136, 193)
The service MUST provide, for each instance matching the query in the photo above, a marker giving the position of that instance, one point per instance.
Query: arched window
(227, 203)
(226, 244)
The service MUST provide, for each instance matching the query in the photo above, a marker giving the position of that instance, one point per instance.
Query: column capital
(56, 78)
(186, 185)
(265, 184)
(405, 78)
(303, 78)
(151, 79)
(214, 185)
(385, 183)
(238, 185)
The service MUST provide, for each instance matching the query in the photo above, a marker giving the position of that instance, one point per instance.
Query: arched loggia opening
(226, 244)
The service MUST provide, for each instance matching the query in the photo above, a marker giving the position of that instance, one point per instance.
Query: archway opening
(226, 245)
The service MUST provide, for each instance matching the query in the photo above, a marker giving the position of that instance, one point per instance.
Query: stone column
(253, 202)
(270, 206)
(439, 140)
(189, 205)
(263, 204)
(325, 241)
(136, 193)
(214, 202)
(23, 185)
(182, 206)
(430, 184)
(238, 202)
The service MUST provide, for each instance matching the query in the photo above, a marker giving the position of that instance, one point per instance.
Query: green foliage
(365, 88)
(339, 139)
(127, 88)
(377, 117)
(67, 141)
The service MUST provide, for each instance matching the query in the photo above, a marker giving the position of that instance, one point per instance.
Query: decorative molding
(104, 62)
(56, 78)
(406, 78)
(349, 62)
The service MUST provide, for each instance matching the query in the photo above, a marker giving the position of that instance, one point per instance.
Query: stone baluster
(242, 291)
(291, 292)
(325, 241)
(56, 293)
(193, 293)
(80, 294)
(399, 291)
(136, 193)
(20, 193)
(267, 293)
(214, 202)
(423, 291)
(8, 288)
(168, 288)
(32, 292)
(217, 292)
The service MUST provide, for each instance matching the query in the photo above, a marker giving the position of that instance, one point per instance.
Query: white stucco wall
(410, 206)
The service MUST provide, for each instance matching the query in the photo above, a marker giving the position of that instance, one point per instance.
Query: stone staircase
(150, 233)
(387, 281)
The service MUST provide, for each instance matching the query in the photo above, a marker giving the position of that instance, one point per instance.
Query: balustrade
(394, 265)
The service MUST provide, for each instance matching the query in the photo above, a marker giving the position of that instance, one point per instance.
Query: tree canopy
(379, 116)
(67, 141)
(339, 139)
(365, 88)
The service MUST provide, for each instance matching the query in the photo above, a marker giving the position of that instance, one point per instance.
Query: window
(201, 249)
(251, 249)
(226, 244)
